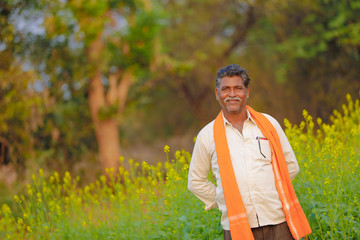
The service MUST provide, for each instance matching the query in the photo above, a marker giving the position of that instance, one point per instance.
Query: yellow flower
(30, 191)
(103, 179)
(145, 165)
(166, 149)
(56, 176)
(20, 221)
(182, 160)
(177, 154)
(87, 189)
(131, 161)
(319, 121)
(67, 178)
(51, 179)
(112, 197)
(121, 159)
(154, 183)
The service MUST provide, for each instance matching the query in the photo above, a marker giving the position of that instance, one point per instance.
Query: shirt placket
(249, 133)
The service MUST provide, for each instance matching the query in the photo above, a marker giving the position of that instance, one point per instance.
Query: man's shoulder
(270, 118)
(206, 134)
(208, 129)
(205, 137)
(273, 121)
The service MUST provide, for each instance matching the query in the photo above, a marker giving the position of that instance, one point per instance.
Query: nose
(232, 93)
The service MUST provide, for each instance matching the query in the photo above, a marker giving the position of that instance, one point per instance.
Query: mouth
(232, 100)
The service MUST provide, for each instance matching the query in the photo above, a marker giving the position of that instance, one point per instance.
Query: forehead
(231, 81)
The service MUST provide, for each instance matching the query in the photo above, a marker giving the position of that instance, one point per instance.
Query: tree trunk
(123, 89)
(106, 131)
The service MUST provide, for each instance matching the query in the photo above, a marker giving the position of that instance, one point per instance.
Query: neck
(236, 118)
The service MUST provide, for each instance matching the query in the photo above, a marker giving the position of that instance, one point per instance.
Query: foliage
(146, 202)
(328, 184)
(321, 25)
(307, 29)
(311, 49)
(20, 104)
(55, 40)
(152, 202)
(299, 54)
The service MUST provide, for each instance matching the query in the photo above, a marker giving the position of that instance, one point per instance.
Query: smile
(235, 99)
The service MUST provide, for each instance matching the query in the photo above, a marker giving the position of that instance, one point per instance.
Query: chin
(233, 111)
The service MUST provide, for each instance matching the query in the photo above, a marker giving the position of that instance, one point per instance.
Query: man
(253, 163)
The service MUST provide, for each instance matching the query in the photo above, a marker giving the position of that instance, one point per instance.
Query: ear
(216, 94)
(248, 92)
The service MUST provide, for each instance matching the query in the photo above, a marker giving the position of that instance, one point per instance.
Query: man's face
(232, 94)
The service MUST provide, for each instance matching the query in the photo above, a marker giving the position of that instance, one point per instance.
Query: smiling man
(253, 164)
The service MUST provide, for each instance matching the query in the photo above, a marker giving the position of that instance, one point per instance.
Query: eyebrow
(237, 86)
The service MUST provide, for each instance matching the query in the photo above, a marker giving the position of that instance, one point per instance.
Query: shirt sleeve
(199, 169)
(290, 158)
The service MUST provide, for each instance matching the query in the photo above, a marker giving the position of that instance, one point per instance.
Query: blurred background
(83, 82)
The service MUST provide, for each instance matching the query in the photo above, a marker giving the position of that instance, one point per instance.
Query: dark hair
(233, 70)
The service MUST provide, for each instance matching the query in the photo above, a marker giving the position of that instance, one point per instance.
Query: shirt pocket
(264, 150)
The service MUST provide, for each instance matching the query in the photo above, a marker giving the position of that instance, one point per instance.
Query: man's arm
(199, 169)
(290, 158)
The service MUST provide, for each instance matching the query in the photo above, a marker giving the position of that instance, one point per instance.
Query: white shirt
(253, 172)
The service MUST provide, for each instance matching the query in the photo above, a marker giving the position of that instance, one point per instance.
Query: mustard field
(152, 202)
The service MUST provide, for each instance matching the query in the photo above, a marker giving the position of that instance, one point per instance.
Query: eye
(225, 89)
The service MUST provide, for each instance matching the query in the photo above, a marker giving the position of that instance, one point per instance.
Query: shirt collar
(226, 122)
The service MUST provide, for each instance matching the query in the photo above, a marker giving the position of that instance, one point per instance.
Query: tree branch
(241, 31)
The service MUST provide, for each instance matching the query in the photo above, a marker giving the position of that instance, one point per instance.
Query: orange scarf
(239, 224)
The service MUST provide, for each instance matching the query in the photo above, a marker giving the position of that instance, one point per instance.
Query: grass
(152, 202)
